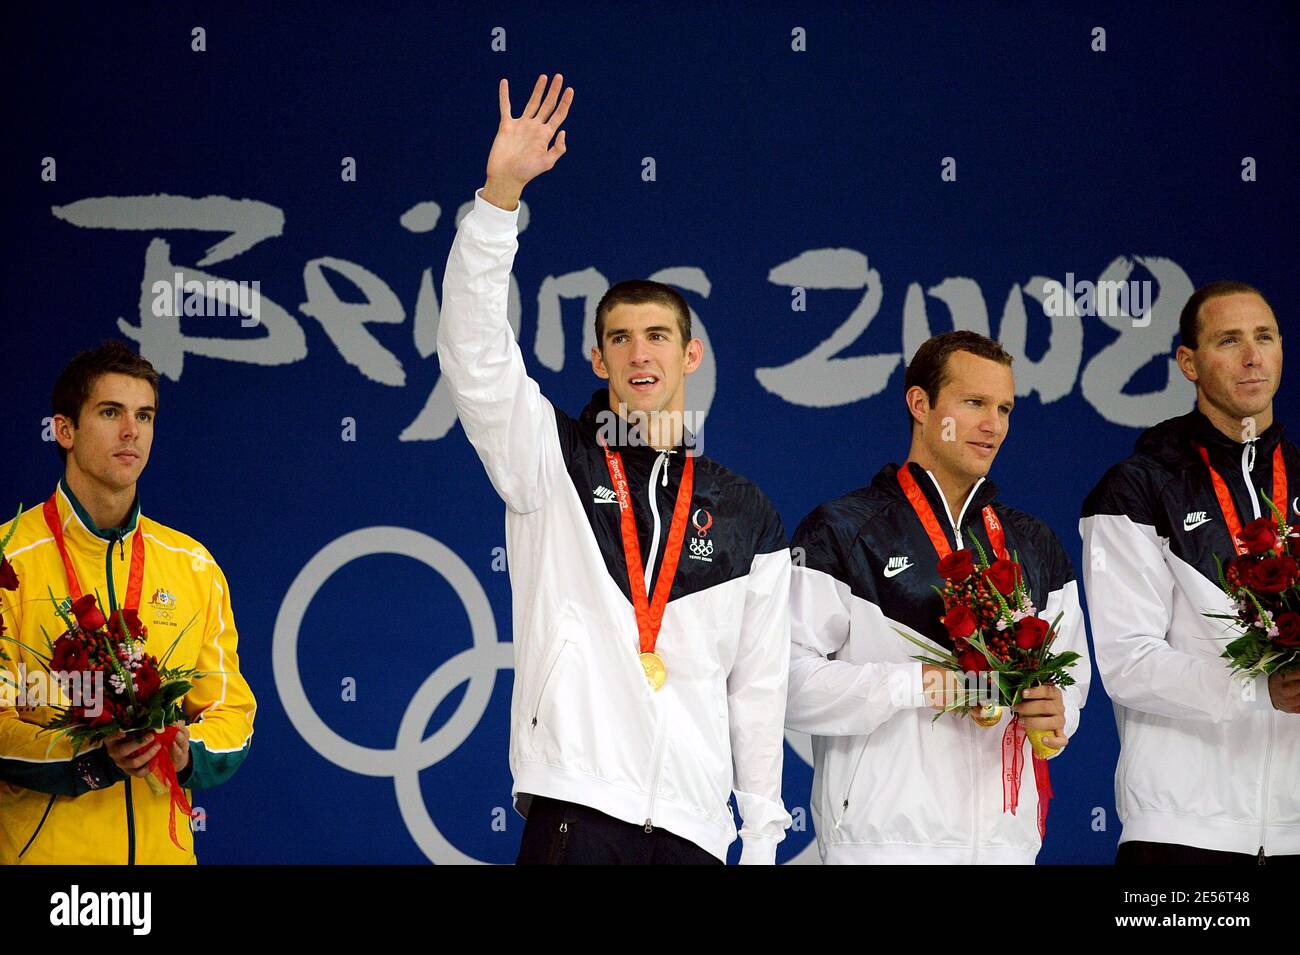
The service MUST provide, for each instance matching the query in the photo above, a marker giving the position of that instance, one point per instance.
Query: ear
(694, 355)
(918, 403)
(64, 431)
(1184, 356)
(598, 364)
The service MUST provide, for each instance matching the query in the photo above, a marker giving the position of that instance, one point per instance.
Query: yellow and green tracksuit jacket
(58, 809)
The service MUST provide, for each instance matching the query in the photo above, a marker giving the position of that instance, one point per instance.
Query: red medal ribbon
(1229, 509)
(1013, 740)
(135, 580)
(997, 537)
(650, 615)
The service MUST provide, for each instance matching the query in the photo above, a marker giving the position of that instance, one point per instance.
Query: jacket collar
(984, 492)
(601, 422)
(1175, 441)
(1203, 431)
(78, 524)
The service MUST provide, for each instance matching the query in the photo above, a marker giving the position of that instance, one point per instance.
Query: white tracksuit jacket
(585, 725)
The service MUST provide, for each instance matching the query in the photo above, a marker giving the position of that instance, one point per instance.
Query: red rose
(958, 565)
(70, 656)
(1259, 536)
(1003, 575)
(133, 625)
(972, 661)
(8, 578)
(1272, 575)
(1288, 629)
(87, 614)
(1031, 632)
(960, 622)
(147, 680)
(1237, 569)
(106, 715)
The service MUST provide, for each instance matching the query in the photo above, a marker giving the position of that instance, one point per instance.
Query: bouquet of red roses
(1264, 584)
(1002, 646)
(144, 693)
(113, 685)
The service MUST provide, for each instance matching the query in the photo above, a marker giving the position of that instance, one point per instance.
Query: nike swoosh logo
(894, 572)
(1192, 526)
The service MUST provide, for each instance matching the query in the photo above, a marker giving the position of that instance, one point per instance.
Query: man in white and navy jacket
(1209, 764)
(650, 585)
(890, 783)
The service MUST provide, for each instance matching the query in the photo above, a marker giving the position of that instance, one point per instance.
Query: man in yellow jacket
(90, 537)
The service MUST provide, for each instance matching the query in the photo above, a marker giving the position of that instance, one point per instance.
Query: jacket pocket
(39, 826)
(844, 795)
(552, 663)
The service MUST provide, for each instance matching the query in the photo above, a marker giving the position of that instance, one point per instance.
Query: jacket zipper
(660, 468)
(1247, 466)
(658, 760)
(956, 525)
(130, 824)
(660, 462)
(1263, 797)
(976, 802)
(112, 605)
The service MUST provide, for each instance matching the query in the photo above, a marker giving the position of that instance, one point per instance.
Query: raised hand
(522, 149)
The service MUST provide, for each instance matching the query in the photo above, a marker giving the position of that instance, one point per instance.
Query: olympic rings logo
(479, 665)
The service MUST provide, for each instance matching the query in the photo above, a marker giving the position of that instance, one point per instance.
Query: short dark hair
(643, 292)
(1189, 322)
(929, 366)
(73, 387)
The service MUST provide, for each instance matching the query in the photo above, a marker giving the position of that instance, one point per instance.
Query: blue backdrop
(909, 167)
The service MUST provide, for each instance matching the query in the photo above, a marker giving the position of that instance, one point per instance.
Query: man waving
(650, 584)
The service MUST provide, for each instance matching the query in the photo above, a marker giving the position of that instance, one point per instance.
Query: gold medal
(987, 716)
(1041, 749)
(655, 671)
(650, 614)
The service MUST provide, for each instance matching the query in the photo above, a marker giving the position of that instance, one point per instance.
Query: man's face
(965, 427)
(114, 431)
(1237, 362)
(643, 358)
